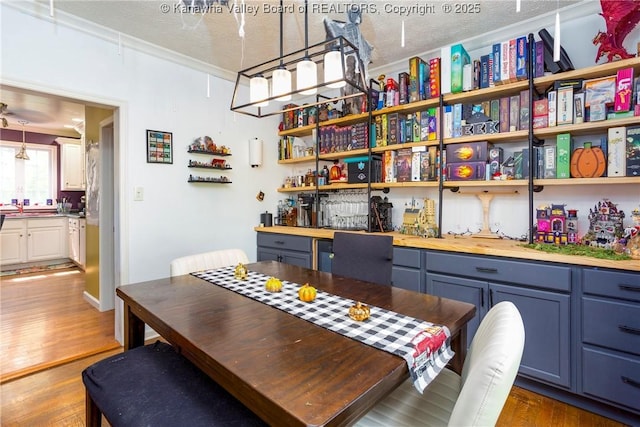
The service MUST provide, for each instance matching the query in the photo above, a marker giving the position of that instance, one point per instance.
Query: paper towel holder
(255, 152)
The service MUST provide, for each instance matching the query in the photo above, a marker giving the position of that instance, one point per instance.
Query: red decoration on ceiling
(621, 17)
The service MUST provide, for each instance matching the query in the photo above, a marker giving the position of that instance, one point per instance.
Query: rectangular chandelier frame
(353, 87)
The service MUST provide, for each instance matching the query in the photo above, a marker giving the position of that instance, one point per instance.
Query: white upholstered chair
(207, 260)
(474, 399)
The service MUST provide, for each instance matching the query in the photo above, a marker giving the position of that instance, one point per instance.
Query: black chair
(153, 385)
(2, 216)
(367, 257)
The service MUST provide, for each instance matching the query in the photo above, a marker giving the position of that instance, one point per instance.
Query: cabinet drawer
(614, 284)
(13, 224)
(46, 222)
(611, 377)
(282, 241)
(406, 257)
(611, 324)
(492, 269)
(406, 278)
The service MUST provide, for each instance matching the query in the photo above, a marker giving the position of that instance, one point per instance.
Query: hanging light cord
(281, 31)
(306, 30)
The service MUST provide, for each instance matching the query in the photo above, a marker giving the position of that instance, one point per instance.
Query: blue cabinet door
(547, 325)
(466, 290)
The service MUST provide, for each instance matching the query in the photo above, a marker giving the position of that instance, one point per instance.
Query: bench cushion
(153, 385)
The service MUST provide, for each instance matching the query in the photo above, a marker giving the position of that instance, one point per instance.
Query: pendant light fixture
(306, 70)
(259, 90)
(258, 86)
(281, 84)
(334, 68)
(22, 154)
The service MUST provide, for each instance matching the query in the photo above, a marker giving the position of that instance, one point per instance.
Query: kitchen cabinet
(77, 241)
(33, 239)
(542, 293)
(72, 164)
(13, 240)
(610, 341)
(294, 250)
(46, 238)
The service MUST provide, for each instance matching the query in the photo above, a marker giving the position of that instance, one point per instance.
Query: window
(35, 180)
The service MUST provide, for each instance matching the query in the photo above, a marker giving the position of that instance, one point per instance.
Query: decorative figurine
(605, 225)
(555, 225)
(620, 18)
(241, 272)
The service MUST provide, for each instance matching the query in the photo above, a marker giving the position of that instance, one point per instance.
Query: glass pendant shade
(281, 84)
(333, 69)
(22, 154)
(259, 90)
(306, 77)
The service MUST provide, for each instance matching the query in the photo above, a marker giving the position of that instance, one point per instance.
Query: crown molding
(118, 39)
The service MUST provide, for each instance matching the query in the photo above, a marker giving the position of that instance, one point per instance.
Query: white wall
(176, 218)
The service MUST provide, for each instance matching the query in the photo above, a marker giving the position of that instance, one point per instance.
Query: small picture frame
(159, 147)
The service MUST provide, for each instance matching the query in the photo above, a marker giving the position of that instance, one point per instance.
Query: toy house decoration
(420, 222)
(555, 225)
(605, 225)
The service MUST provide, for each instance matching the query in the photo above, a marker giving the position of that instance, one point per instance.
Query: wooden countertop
(469, 245)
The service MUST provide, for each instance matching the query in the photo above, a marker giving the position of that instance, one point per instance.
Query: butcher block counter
(469, 245)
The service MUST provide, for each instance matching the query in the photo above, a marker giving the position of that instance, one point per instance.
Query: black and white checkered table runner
(385, 330)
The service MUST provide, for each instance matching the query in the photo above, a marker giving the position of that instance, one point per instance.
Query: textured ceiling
(213, 37)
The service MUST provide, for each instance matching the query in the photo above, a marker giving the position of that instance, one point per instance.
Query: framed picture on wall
(159, 147)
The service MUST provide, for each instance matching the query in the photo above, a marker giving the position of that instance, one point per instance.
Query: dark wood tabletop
(285, 369)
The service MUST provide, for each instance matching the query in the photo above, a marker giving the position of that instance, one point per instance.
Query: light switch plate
(138, 194)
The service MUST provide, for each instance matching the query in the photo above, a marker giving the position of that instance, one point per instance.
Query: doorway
(107, 130)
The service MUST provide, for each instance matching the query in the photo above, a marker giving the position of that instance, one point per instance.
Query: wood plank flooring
(50, 392)
(45, 321)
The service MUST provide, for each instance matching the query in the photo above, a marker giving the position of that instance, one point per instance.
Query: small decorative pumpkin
(273, 284)
(307, 293)
(587, 162)
(359, 312)
(240, 272)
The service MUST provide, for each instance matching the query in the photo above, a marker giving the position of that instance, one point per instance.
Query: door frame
(120, 208)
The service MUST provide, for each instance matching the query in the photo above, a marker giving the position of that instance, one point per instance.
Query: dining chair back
(367, 257)
(2, 217)
(207, 260)
(474, 398)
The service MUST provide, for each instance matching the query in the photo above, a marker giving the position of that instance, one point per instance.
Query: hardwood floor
(43, 386)
(45, 321)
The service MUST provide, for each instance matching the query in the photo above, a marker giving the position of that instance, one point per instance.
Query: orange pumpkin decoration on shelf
(307, 293)
(587, 162)
(273, 285)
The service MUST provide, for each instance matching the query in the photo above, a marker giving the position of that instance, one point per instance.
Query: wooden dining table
(285, 369)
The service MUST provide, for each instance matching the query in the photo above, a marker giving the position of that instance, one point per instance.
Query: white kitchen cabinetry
(77, 237)
(46, 238)
(33, 239)
(72, 164)
(13, 241)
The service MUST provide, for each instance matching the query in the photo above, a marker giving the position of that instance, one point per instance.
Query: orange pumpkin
(273, 285)
(587, 162)
(307, 293)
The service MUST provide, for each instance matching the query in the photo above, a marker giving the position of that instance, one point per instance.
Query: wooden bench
(153, 385)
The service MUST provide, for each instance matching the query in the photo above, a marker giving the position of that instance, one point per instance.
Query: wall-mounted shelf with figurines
(206, 145)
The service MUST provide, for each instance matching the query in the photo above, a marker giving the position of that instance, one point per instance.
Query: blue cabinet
(294, 250)
(540, 291)
(610, 338)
